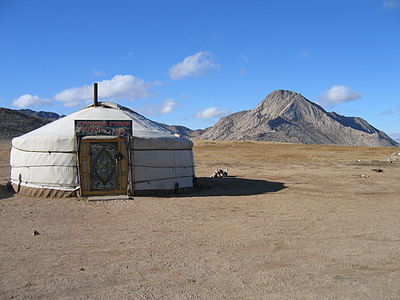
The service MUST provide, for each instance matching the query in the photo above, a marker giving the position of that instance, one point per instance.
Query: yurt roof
(59, 135)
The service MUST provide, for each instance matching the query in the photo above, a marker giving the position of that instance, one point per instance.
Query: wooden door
(103, 166)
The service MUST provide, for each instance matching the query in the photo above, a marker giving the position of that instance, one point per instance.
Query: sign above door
(103, 127)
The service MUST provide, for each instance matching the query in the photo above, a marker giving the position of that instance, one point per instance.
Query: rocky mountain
(41, 114)
(181, 130)
(15, 123)
(285, 116)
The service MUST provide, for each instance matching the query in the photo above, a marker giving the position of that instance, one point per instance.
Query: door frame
(84, 158)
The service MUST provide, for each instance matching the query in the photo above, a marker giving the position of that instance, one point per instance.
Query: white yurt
(103, 149)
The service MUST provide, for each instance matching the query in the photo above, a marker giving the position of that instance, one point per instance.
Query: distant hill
(181, 130)
(41, 114)
(285, 116)
(15, 123)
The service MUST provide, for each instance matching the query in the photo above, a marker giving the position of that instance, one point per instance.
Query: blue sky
(191, 62)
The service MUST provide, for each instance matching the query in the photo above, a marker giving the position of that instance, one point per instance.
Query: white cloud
(304, 53)
(168, 105)
(165, 107)
(211, 112)
(193, 66)
(146, 110)
(129, 55)
(387, 112)
(126, 87)
(390, 111)
(97, 73)
(244, 57)
(391, 3)
(338, 94)
(29, 100)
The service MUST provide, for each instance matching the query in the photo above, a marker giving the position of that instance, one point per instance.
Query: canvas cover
(60, 134)
(47, 157)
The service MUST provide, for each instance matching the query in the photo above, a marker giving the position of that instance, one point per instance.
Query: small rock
(363, 176)
(377, 170)
(35, 233)
(220, 173)
(82, 269)
(394, 157)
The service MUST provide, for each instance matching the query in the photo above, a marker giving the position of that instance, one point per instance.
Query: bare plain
(292, 222)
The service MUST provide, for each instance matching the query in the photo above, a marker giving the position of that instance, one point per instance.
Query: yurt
(103, 149)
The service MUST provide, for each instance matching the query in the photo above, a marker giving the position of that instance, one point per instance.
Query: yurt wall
(161, 164)
(40, 169)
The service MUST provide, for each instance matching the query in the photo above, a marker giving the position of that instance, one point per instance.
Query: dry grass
(232, 153)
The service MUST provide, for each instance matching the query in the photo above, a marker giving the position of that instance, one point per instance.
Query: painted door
(103, 166)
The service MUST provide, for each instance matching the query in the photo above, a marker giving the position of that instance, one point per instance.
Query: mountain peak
(279, 101)
(287, 116)
(284, 97)
(283, 94)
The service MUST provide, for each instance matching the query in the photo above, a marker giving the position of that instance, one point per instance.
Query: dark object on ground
(220, 173)
(35, 233)
(377, 170)
(10, 187)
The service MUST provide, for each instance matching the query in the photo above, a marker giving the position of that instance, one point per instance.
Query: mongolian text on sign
(103, 127)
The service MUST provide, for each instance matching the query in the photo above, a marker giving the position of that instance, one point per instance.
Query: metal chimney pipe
(95, 94)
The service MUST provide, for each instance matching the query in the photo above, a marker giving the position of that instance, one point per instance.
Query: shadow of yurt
(5, 191)
(232, 186)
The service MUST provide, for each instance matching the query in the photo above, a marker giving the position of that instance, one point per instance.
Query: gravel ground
(293, 222)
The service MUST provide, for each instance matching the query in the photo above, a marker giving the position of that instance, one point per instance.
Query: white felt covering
(47, 156)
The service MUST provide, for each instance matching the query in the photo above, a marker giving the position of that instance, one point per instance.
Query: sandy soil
(295, 222)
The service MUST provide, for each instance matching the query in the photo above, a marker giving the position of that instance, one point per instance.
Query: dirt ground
(293, 222)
